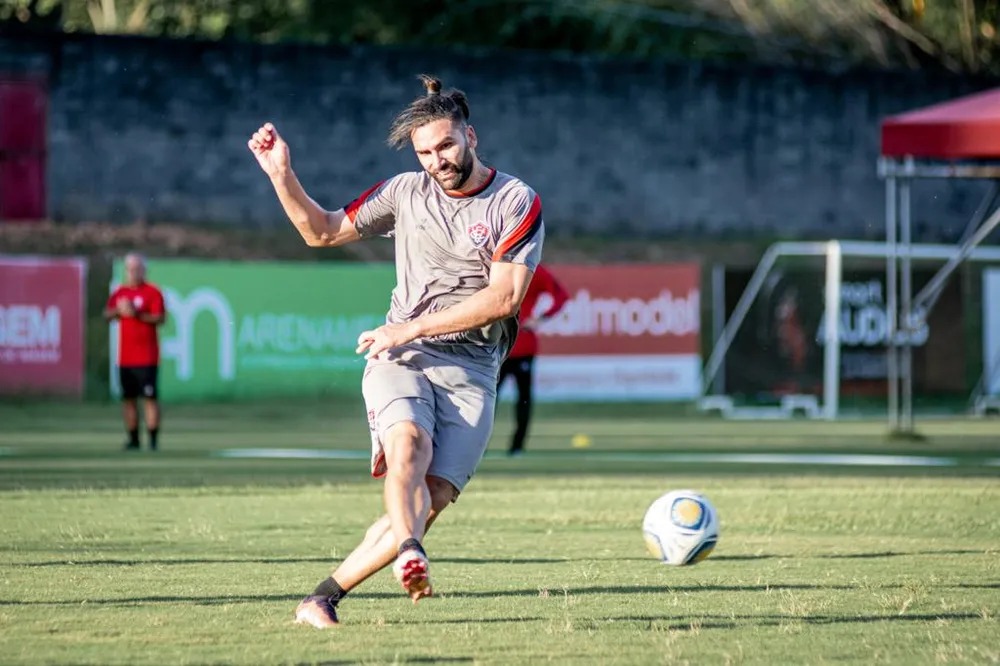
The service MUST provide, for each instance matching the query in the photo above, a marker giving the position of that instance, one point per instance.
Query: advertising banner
(628, 332)
(41, 326)
(991, 330)
(779, 348)
(263, 329)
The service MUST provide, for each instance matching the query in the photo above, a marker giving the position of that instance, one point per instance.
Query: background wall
(157, 130)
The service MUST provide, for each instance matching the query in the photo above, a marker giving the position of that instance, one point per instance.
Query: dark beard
(464, 171)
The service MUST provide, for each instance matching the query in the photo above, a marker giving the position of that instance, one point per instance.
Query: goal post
(831, 331)
(834, 255)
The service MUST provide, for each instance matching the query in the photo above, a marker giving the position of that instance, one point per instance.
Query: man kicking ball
(467, 240)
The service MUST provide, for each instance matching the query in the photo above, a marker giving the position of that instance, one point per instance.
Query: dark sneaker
(317, 611)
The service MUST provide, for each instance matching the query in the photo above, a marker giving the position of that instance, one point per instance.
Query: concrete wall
(157, 130)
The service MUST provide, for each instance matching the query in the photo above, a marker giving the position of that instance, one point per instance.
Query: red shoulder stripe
(352, 208)
(522, 230)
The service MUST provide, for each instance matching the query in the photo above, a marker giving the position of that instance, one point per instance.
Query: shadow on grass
(273, 560)
(743, 558)
(978, 586)
(435, 659)
(681, 623)
(536, 592)
(480, 620)
(890, 553)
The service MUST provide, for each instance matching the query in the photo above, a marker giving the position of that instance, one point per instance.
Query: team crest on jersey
(479, 233)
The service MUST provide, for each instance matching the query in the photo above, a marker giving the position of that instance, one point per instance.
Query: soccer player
(138, 307)
(467, 239)
(521, 361)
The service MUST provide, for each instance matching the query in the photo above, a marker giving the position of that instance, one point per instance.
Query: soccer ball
(681, 527)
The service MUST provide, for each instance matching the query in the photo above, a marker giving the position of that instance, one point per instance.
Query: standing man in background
(521, 361)
(138, 307)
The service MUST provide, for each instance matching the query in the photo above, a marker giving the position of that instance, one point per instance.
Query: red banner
(41, 325)
(626, 309)
(628, 332)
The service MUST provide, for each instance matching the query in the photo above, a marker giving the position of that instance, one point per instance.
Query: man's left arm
(500, 299)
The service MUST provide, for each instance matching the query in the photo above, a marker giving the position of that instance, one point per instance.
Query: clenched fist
(270, 150)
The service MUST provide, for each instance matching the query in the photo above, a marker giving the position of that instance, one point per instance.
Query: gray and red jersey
(446, 243)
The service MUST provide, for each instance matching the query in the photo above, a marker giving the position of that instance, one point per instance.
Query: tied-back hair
(434, 105)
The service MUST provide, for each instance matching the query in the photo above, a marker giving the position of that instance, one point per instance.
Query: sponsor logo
(30, 334)
(184, 311)
(664, 314)
(864, 319)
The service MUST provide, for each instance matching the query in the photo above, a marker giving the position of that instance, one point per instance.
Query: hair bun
(432, 84)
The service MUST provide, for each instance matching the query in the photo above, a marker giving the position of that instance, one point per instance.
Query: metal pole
(927, 297)
(831, 349)
(906, 295)
(892, 365)
(739, 312)
(719, 321)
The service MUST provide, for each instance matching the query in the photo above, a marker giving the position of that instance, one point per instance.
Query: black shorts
(138, 381)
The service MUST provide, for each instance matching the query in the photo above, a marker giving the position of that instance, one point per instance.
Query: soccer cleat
(129, 446)
(317, 611)
(411, 570)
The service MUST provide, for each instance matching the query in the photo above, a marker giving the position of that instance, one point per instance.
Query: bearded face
(446, 151)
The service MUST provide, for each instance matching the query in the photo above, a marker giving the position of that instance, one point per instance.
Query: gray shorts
(451, 399)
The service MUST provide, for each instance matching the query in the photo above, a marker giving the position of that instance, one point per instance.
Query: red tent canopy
(963, 128)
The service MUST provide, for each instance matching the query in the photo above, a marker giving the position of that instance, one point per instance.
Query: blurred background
(673, 143)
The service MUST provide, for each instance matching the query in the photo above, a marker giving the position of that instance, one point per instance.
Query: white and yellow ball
(681, 527)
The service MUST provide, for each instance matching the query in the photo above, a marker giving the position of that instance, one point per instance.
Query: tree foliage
(959, 35)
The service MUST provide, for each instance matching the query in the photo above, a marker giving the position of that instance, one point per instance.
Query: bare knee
(407, 447)
(442, 493)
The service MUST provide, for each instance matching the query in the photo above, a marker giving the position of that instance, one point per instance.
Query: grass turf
(187, 557)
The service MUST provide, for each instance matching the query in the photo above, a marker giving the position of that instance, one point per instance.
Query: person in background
(521, 361)
(138, 306)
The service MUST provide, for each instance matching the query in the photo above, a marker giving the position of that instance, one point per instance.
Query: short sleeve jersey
(447, 242)
(138, 344)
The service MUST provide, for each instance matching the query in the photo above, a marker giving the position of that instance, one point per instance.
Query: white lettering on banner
(38, 355)
(864, 321)
(29, 326)
(664, 314)
(609, 378)
(264, 340)
(184, 311)
(869, 327)
(292, 333)
(861, 293)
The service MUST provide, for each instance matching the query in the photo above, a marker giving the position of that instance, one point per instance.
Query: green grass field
(192, 556)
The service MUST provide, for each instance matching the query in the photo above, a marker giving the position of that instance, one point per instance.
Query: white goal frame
(834, 251)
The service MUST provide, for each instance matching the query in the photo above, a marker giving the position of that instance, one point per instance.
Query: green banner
(250, 329)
